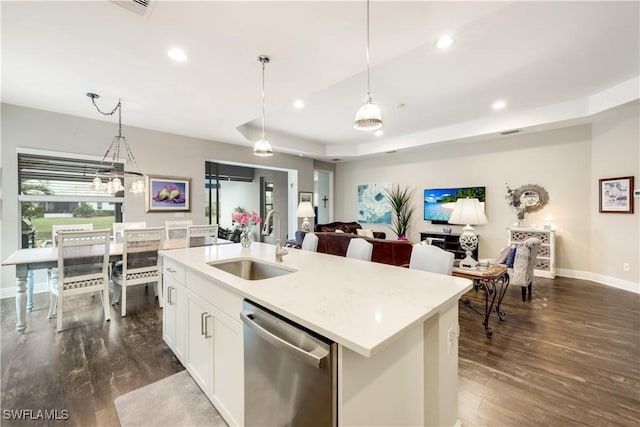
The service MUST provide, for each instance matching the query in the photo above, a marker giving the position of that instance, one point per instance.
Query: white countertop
(361, 305)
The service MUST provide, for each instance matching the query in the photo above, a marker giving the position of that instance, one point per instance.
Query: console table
(450, 242)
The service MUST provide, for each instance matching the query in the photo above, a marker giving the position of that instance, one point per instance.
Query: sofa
(347, 227)
(393, 252)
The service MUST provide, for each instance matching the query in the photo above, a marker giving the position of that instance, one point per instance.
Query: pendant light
(118, 147)
(263, 148)
(368, 116)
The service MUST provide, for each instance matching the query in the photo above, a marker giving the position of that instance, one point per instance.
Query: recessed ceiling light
(177, 54)
(444, 42)
(499, 104)
(379, 132)
(298, 103)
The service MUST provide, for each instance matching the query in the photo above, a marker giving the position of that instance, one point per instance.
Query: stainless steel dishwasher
(290, 373)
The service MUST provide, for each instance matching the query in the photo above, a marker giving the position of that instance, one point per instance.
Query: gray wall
(157, 153)
(567, 162)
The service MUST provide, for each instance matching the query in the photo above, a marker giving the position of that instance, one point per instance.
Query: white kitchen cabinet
(228, 368)
(174, 320)
(200, 342)
(199, 328)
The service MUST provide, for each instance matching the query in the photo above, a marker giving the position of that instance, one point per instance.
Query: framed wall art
(304, 196)
(373, 207)
(616, 195)
(168, 194)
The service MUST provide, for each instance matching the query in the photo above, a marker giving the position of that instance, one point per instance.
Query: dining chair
(310, 242)
(83, 258)
(140, 263)
(119, 227)
(56, 228)
(431, 258)
(359, 249)
(202, 235)
(177, 229)
(52, 273)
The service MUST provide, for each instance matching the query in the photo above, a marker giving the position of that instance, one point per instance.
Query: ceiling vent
(139, 7)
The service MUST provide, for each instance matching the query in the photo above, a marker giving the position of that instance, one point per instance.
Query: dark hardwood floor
(568, 356)
(86, 366)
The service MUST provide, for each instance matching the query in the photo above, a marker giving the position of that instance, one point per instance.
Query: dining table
(30, 259)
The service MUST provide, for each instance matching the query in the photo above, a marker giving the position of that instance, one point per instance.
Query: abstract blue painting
(373, 207)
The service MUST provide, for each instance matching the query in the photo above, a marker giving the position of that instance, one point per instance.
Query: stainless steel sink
(250, 269)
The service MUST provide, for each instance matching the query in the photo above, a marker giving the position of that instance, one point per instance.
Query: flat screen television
(439, 202)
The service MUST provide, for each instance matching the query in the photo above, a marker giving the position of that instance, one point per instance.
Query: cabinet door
(174, 323)
(169, 313)
(200, 342)
(229, 367)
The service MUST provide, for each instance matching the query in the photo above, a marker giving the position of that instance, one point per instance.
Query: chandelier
(119, 147)
(263, 148)
(368, 116)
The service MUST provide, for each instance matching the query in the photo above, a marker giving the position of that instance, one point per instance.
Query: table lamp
(468, 212)
(305, 210)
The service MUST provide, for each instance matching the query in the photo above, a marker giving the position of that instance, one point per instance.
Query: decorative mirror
(532, 197)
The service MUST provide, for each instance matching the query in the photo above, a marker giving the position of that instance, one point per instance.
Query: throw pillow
(368, 232)
(360, 232)
(511, 257)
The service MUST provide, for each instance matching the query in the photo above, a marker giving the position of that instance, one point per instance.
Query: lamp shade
(305, 210)
(467, 212)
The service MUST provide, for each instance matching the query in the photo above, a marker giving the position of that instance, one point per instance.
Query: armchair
(524, 262)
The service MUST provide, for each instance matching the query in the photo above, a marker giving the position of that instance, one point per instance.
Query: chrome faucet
(280, 251)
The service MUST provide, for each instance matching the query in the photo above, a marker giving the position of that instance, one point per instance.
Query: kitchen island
(396, 329)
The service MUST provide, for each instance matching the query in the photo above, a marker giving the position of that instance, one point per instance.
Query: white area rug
(173, 401)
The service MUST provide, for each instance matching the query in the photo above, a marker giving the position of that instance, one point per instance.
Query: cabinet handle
(206, 325)
(169, 300)
(202, 316)
(171, 270)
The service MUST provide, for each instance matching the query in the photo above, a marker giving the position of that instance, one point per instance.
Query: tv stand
(450, 242)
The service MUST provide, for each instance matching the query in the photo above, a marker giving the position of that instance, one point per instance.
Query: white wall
(235, 194)
(322, 190)
(563, 161)
(615, 238)
(157, 153)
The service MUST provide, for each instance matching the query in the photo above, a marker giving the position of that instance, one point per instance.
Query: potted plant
(400, 200)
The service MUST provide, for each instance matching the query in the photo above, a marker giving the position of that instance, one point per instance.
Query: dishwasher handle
(314, 358)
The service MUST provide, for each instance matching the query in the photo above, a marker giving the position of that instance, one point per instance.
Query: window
(58, 190)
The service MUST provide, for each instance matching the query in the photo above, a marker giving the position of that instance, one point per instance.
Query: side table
(488, 279)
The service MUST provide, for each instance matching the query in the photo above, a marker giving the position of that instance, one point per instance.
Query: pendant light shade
(368, 117)
(263, 148)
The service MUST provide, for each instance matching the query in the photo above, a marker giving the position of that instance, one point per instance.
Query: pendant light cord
(263, 114)
(368, 65)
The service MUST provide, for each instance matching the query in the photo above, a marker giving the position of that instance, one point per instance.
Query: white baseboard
(10, 292)
(600, 278)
